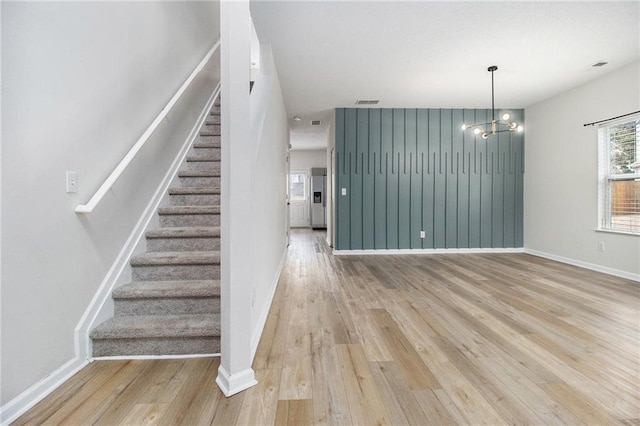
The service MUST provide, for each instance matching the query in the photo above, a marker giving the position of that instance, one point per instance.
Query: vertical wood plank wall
(412, 170)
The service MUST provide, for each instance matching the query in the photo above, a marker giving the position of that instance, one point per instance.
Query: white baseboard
(255, 339)
(231, 384)
(34, 394)
(427, 251)
(152, 357)
(591, 266)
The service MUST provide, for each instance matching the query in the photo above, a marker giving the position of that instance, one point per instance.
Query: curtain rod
(609, 119)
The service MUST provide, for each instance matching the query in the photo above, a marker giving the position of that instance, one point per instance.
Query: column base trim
(231, 384)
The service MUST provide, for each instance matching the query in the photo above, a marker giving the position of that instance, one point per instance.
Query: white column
(235, 373)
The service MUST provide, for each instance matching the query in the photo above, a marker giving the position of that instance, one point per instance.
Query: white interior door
(299, 198)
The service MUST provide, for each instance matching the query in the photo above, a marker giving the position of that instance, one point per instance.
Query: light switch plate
(344, 191)
(72, 181)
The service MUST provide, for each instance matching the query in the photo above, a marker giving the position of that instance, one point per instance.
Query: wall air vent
(316, 122)
(599, 64)
(367, 101)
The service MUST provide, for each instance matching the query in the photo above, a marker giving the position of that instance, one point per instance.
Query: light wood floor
(420, 339)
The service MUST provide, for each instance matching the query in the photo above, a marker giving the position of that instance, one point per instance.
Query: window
(297, 190)
(620, 176)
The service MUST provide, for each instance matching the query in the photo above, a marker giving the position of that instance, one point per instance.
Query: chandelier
(496, 126)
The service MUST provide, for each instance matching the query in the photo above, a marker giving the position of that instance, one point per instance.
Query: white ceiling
(435, 54)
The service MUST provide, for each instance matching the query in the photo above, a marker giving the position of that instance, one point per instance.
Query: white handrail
(115, 174)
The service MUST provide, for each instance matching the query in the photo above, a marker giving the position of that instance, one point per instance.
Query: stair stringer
(101, 306)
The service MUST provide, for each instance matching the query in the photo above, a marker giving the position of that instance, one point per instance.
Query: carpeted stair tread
(209, 145)
(168, 289)
(184, 232)
(204, 158)
(190, 190)
(208, 142)
(164, 326)
(199, 173)
(182, 210)
(176, 258)
(210, 132)
(200, 159)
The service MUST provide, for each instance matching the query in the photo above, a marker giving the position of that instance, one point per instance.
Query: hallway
(408, 339)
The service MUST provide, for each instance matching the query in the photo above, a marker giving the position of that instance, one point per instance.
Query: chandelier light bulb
(476, 131)
(506, 116)
(464, 127)
(520, 128)
(513, 125)
(485, 135)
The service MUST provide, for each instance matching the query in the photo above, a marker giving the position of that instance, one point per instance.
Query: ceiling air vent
(316, 122)
(367, 101)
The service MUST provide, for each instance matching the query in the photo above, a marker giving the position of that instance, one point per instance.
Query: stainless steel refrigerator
(319, 198)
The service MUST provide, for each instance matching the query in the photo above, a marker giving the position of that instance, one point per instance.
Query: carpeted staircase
(172, 305)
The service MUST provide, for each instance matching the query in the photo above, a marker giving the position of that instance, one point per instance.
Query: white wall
(561, 175)
(306, 159)
(81, 82)
(269, 204)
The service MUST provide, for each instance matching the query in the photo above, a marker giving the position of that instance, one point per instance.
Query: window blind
(620, 179)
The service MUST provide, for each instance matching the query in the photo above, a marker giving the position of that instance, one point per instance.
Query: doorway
(298, 198)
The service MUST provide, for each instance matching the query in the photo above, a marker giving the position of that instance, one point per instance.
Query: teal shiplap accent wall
(412, 170)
